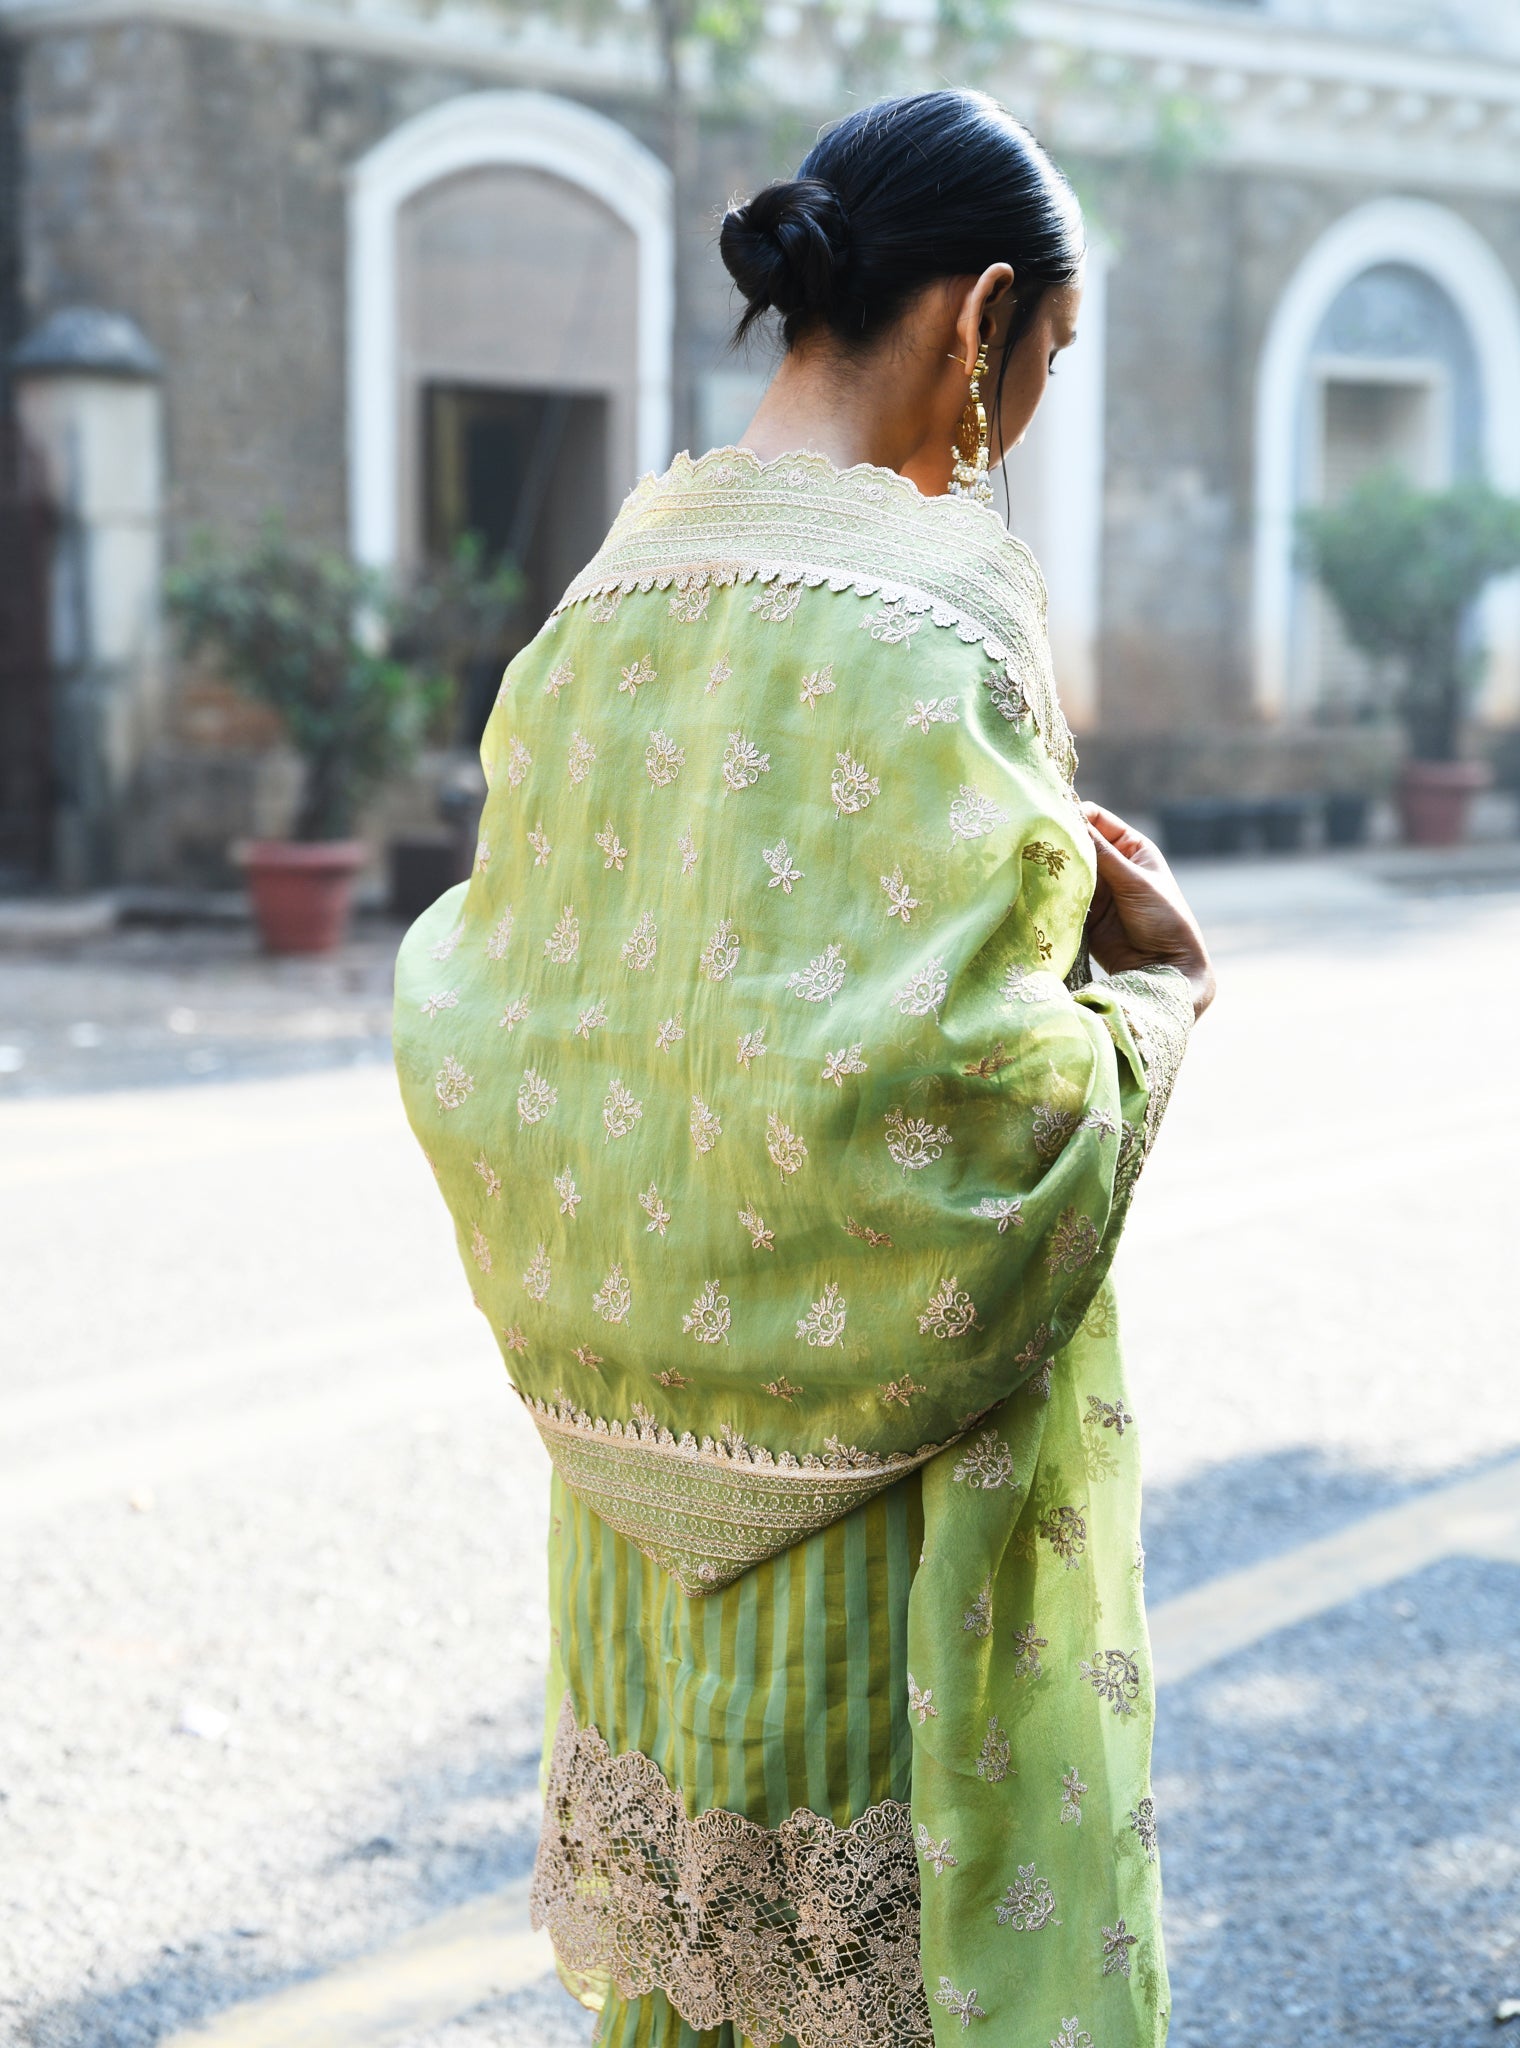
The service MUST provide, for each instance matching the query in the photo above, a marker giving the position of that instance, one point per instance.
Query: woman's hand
(1139, 917)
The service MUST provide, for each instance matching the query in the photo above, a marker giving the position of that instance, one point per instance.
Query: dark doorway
(527, 471)
(27, 783)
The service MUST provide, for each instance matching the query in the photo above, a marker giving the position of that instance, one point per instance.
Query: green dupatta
(780, 1154)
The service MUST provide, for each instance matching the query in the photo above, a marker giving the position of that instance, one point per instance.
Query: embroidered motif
(512, 1338)
(1107, 1414)
(1052, 1129)
(961, 2003)
(1026, 985)
(538, 839)
(950, 1313)
(1028, 1904)
(1117, 1943)
(718, 674)
(1073, 1243)
(782, 1388)
(635, 676)
(924, 990)
(501, 935)
(990, 1065)
(686, 846)
(445, 948)
(669, 1033)
(1051, 858)
(988, 1463)
(561, 674)
(751, 1046)
(654, 1209)
(721, 953)
(536, 1280)
(901, 902)
(706, 1129)
(584, 1355)
(1042, 944)
(519, 761)
(592, 1018)
(1065, 1530)
(480, 1249)
(1072, 1793)
(743, 763)
(819, 684)
(1143, 1820)
(973, 815)
(604, 608)
(709, 1316)
(564, 942)
(1114, 1675)
(921, 1702)
(613, 1299)
(517, 1012)
(451, 1084)
(779, 861)
(892, 625)
(822, 979)
(671, 1378)
(1070, 2038)
(852, 786)
(449, 1000)
(535, 1098)
(934, 711)
(1007, 697)
(994, 1756)
(612, 846)
(977, 1620)
(663, 759)
(564, 1187)
(489, 1175)
(778, 602)
(1026, 1647)
(580, 758)
(638, 949)
(785, 1147)
(901, 1391)
(1157, 1005)
(1003, 1210)
(865, 1233)
(846, 1060)
(936, 1854)
(912, 1142)
(690, 605)
(1030, 1355)
(823, 1325)
(761, 1238)
(621, 1110)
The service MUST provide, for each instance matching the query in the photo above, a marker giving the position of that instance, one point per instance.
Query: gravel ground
(271, 1584)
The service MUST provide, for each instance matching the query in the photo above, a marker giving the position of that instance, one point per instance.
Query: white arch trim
(1441, 243)
(528, 130)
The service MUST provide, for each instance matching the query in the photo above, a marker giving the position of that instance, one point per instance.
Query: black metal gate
(27, 782)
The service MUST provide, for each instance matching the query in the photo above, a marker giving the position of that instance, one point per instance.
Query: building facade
(396, 270)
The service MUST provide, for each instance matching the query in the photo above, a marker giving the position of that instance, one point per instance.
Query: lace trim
(705, 1511)
(726, 517)
(1158, 1008)
(807, 1929)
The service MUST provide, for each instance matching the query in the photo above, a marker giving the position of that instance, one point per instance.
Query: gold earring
(968, 476)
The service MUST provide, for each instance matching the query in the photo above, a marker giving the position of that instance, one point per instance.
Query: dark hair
(936, 184)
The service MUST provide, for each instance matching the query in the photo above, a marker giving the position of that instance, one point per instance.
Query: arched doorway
(1396, 342)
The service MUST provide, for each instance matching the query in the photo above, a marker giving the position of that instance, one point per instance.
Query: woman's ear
(992, 292)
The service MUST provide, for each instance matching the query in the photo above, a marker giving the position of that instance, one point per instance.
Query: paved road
(271, 1602)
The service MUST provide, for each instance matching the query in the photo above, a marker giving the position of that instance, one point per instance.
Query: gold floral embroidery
(1026, 1647)
(973, 815)
(501, 935)
(1007, 697)
(448, 1000)
(512, 1338)
(847, 1060)
(961, 2005)
(690, 605)
(1051, 858)
(1106, 1414)
(1030, 1355)
(535, 1098)
(604, 607)
(720, 955)
(451, 1084)
(781, 1387)
(564, 942)
(1027, 1904)
(901, 902)
(581, 757)
(709, 1317)
(865, 1233)
(743, 763)
(536, 1280)
(987, 1464)
(561, 674)
(1052, 1129)
(1143, 1820)
(931, 711)
(1064, 1528)
(820, 683)
(519, 761)
(663, 759)
(654, 1209)
(538, 839)
(951, 1312)
(1073, 1243)
(823, 1325)
(638, 949)
(718, 674)
(706, 1128)
(751, 1046)
(612, 847)
(996, 1753)
(913, 1142)
(785, 1146)
(669, 1033)
(1117, 1943)
(1071, 2036)
(517, 1012)
(481, 1249)
(671, 1378)
(1073, 1792)
(893, 625)
(936, 1854)
(778, 602)
(1002, 1210)
(761, 1237)
(852, 786)
(635, 675)
(686, 846)
(614, 1298)
(900, 1391)
(822, 979)
(1042, 943)
(592, 1018)
(447, 945)
(924, 990)
(621, 1110)
(921, 1701)
(489, 1175)
(564, 1187)
(1114, 1675)
(783, 873)
(584, 1355)
(977, 1620)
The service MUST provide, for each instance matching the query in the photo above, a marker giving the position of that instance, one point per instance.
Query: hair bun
(786, 249)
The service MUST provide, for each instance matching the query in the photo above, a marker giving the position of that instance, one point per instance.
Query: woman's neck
(848, 412)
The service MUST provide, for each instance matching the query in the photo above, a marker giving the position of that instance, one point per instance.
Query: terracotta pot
(302, 891)
(1435, 798)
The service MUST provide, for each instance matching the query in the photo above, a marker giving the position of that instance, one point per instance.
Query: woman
(788, 1142)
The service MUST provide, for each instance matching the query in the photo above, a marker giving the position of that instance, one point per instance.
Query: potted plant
(1405, 569)
(336, 650)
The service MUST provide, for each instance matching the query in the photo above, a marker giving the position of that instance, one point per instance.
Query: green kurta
(788, 1169)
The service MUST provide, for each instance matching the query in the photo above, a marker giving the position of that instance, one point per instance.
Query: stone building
(398, 268)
